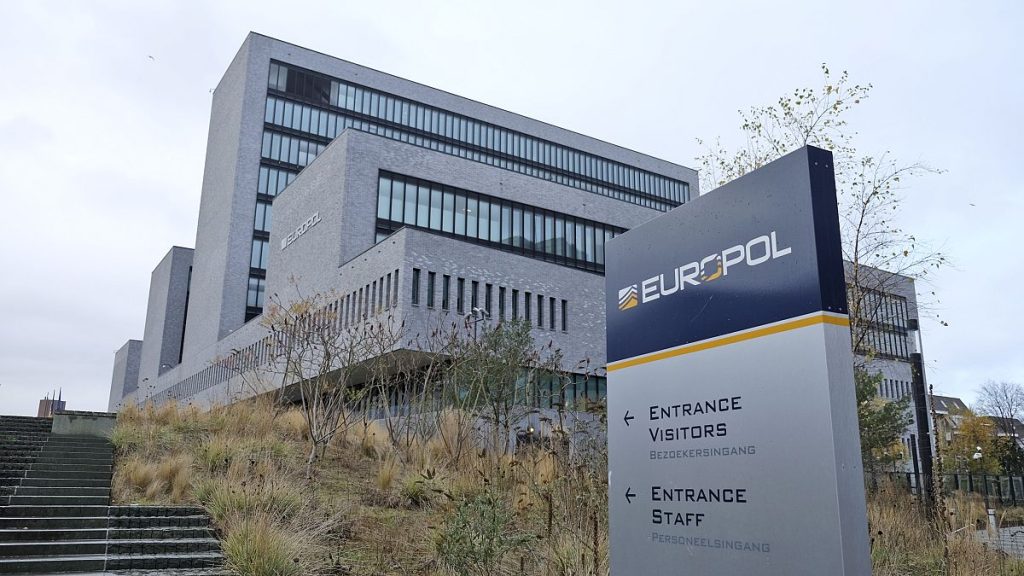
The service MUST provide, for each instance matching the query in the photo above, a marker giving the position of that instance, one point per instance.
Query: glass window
(506, 224)
(472, 210)
(448, 215)
(409, 217)
(422, 206)
(384, 198)
(435, 208)
(515, 304)
(460, 214)
(528, 228)
(590, 243)
(483, 220)
(501, 302)
(551, 313)
(263, 213)
(397, 200)
(538, 232)
(526, 305)
(540, 311)
(517, 226)
(559, 236)
(460, 289)
(549, 234)
(415, 286)
(446, 286)
(565, 315)
(488, 289)
(261, 187)
(495, 224)
(431, 278)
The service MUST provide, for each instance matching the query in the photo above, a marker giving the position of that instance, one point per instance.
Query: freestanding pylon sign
(733, 439)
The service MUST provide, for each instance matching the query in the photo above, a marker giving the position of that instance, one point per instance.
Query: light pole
(476, 316)
(984, 479)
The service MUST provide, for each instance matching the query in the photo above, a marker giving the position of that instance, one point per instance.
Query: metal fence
(1002, 491)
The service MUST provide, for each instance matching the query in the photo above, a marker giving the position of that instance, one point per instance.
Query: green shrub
(480, 532)
(257, 548)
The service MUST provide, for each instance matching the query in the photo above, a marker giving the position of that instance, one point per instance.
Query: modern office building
(394, 197)
(887, 340)
(399, 199)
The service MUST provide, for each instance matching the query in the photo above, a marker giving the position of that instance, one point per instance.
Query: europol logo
(628, 297)
(708, 269)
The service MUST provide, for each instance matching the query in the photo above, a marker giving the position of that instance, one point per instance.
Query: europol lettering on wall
(710, 268)
(302, 229)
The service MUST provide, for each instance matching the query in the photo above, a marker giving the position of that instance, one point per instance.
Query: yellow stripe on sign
(785, 326)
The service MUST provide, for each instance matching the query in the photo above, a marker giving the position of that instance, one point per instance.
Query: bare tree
(324, 364)
(877, 249)
(1004, 401)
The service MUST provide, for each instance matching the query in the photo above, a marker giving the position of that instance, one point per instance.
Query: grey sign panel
(733, 439)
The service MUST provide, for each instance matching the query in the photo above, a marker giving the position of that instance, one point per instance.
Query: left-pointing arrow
(630, 495)
(627, 418)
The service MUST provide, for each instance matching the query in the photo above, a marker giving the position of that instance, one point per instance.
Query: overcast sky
(104, 113)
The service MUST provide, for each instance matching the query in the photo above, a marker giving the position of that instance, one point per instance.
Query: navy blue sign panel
(760, 249)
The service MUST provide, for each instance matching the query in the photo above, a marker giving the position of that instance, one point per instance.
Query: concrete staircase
(55, 513)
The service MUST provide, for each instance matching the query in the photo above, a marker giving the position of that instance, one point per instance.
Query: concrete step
(64, 491)
(152, 522)
(71, 467)
(110, 547)
(152, 511)
(53, 565)
(76, 438)
(165, 561)
(89, 459)
(78, 441)
(101, 563)
(63, 482)
(72, 450)
(59, 534)
(15, 432)
(42, 523)
(66, 474)
(37, 523)
(66, 447)
(61, 500)
(51, 511)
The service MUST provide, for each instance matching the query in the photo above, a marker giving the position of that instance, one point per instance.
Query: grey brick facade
(338, 255)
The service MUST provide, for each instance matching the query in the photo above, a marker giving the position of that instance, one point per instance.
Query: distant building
(949, 413)
(47, 406)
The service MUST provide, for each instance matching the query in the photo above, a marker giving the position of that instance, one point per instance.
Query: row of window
(264, 212)
(498, 302)
(893, 389)
(273, 180)
(257, 288)
(883, 309)
(289, 149)
(499, 145)
(333, 124)
(885, 317)
(512, 226)
(572, 391)
(885, 343)
(260, 253)
(370, 300)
